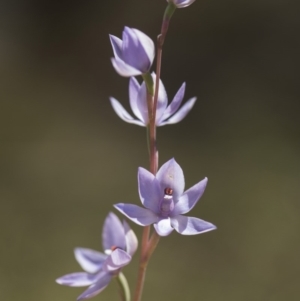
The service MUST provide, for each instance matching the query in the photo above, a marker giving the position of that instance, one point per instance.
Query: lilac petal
(149, 190)
(162, 99)
(77, 279)
(113, 234)
(131, 239)
(96, 288)
(182, 3)
(175, 104)
(124, 69)
(133, 97)
(138, 215)
(147, 43)
(138, 49)
(116, 260)
(90, 260)
(181, 113)
(190, 198)
(163, 227)
(117, 46)
(186, 225)
(122, 113)
(142, 105)
(170, 175)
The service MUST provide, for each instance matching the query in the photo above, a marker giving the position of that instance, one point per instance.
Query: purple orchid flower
(165, 114)
(181, 3)
(119, 244)
(134, 54)
(165, 200)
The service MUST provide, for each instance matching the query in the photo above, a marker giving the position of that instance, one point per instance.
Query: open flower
(119, 244)
(181, 3)
(165, 114)
(134, 54)
(165, 200)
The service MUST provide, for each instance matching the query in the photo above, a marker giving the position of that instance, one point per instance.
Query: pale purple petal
(170, 175)
(113, 234)
(142, 105)
(117, 46)
(182, 3)
(162, 99)
(138, 215)
(149, 190)
(123, 114)
(191, 225)
(135, 52)
(163, 227)
(124, 69)
(96, 288)
(175, 104)
(90, 260)
(116, 260)
(147, 43)
(181, 113)
(77, 279)
(134, 87)
(131, 239)
(190, 198)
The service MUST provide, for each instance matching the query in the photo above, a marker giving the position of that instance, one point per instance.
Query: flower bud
(181, 3)
(134, 54)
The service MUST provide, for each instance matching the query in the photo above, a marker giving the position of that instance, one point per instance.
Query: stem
(149, 245)
(124, 287)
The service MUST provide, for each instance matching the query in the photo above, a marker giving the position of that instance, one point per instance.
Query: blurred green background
(66, 157)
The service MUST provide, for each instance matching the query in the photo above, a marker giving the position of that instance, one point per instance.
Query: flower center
(166, 204)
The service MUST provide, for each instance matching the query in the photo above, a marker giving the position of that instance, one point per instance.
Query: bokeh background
(65, 157)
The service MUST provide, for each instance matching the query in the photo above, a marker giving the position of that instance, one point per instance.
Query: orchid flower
(165, 114)
(134, 54)
(119, 244)
(181, 3)
(165, 200)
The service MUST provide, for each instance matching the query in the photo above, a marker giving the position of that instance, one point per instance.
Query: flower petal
(96, 288)
(134, 88)
(186, 225)
(124, 69)
(77, 279)
(182, 3)
(138, 215)
(181, 113)
(162, 99)
(149, 190)
(175, 104)
(113, 234)
(134, 52)
(117, 46)
(131, 239)
(116, 260)
(190, 198)
(138, 49)
(147, 43)
(170, 175)
(163, 227)
(90, 260)
(122, 113)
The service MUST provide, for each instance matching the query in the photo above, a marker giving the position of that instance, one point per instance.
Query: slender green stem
(124, 287)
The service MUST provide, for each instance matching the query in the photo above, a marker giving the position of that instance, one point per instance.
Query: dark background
(65, 157)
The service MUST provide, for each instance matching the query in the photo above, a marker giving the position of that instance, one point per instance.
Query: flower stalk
(124, 287)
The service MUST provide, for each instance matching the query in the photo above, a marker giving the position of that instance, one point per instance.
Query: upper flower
(165, 200)
(165, 114)
(134, 54)
(181, 3)
(119, 244)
